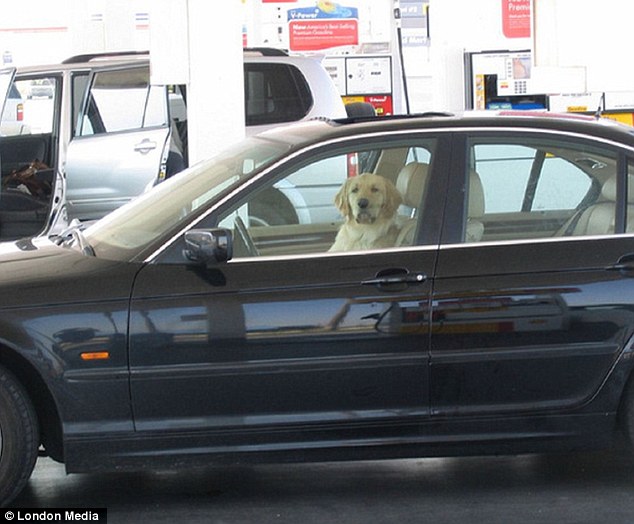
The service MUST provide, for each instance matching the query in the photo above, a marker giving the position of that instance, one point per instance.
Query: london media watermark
(54, 515)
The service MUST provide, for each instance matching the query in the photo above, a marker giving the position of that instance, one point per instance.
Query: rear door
(530, 310)
(118, 149)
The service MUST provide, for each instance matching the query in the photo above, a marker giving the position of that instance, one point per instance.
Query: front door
(288, 343)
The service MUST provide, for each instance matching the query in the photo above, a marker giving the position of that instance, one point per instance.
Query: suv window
(30, 107)
(275, 93)
(122, 100)
(539, 188)
(79, 82)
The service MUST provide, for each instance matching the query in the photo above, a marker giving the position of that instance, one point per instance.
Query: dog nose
(363, 203)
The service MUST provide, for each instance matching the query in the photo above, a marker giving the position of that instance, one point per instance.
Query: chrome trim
(546, 240)
(370, 135)
(307, 256)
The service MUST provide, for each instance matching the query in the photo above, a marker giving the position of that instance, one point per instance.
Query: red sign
(311, 35)
(382, 104)
(516, 18)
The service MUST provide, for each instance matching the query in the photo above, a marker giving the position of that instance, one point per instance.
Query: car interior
(319, 219)
(27, 173)
(557, 191)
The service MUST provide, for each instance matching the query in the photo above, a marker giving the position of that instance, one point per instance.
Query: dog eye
(374, 189)
(355, 189)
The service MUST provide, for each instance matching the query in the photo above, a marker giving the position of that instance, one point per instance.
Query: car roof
(324, 129)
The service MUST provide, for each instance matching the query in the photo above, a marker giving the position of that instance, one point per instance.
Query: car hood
(36, 272)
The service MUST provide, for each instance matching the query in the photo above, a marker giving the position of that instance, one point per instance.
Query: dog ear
(393, 199)
(341, 199)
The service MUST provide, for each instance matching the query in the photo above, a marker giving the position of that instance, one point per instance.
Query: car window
(318, 206)
(79, 83)
(275, 93)
(123, 100)
(30, 107)
(534, 188)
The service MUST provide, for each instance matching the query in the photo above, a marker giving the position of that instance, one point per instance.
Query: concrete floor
(575, 488)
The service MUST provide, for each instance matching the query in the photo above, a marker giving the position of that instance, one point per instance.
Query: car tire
(626, 417)
(272, 208)
(19, 439)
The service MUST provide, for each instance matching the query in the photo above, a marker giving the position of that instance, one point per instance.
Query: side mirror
(208, 246)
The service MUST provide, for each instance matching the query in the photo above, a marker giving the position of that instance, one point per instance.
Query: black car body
(180, 330)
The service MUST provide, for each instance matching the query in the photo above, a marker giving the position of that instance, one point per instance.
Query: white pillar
(209, 41)
(119, 25)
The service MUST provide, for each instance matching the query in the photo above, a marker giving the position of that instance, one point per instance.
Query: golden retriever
(368, 203)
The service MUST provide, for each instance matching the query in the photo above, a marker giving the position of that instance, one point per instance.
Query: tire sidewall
(19, 437)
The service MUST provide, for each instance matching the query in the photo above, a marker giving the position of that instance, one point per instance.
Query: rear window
(275, 93)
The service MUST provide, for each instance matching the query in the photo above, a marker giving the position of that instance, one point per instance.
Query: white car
(13, 113)
(106, 134)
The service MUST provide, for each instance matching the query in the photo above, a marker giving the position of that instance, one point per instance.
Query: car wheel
(18, 437)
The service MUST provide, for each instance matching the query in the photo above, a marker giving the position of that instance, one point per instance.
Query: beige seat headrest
(411, 182)
(608, 190)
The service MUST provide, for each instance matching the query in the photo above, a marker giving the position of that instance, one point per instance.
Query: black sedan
(397, 287)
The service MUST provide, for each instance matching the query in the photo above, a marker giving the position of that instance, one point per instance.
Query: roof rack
(77, 59)
(265, 51)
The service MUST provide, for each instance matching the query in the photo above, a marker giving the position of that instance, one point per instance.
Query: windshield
(129, 230)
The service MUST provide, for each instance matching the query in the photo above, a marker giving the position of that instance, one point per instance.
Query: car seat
(599, 218)
(411, 182)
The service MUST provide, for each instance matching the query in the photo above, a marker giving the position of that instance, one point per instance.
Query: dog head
(365, 198)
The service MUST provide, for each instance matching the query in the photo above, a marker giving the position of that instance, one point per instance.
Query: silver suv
(107, 134)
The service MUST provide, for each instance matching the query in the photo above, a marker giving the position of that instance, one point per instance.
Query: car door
(531, 302)
(288, 345)
(119, 146)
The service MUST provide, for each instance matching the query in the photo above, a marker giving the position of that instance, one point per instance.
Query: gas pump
(501, 80)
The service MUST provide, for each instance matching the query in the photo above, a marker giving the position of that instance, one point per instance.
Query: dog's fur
(368, 204)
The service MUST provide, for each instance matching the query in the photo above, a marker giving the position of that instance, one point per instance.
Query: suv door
(119, 146)
(527, 314)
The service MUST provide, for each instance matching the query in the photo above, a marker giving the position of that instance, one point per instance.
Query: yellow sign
(577, 109)
(624, 118)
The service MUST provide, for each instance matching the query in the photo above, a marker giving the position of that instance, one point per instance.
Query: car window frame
(454, 225)
(428, 232)
(88, 110)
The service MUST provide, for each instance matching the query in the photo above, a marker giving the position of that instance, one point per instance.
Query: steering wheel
(246, 238)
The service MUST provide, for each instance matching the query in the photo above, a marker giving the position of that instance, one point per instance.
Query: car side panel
(527, 327)
(255, 346)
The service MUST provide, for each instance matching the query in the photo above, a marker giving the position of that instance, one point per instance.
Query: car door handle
(145, 146)
(395, 276)
(625, 263)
